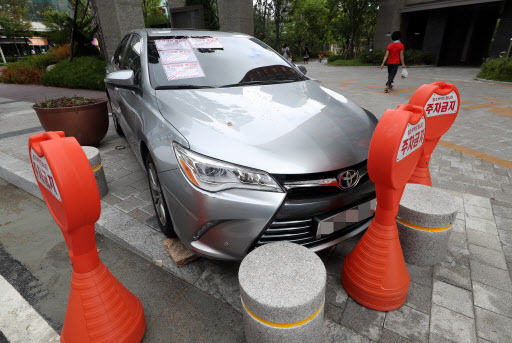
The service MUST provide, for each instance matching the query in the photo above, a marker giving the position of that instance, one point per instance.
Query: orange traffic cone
(374, 273)
(100, 309)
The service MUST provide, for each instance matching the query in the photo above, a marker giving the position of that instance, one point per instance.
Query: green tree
(12, 20)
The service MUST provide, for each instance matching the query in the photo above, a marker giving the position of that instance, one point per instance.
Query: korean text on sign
(412, 139)
(183, 71)
(206, 43)
(442, 104)
(44, 174)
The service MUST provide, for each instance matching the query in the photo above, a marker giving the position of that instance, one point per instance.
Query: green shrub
(499, 69)
(328, 53)
(38, 61)
(84, 72)
(334, 58)
(373, 58)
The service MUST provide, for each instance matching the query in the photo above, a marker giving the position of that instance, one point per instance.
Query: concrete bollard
(424, 221)
(93, 155)
(282, 286)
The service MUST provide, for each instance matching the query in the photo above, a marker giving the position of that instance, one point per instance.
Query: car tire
(118, 128)
(157, 197)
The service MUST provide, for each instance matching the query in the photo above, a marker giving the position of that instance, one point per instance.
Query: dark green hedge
(84, 72)
(499, 69)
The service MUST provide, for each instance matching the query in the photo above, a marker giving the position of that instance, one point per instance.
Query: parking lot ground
(465, 297)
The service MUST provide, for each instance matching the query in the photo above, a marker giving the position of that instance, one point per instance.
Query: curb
(113, 223)
(493, 81)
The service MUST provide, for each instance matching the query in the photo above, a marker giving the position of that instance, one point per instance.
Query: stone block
(492, 326)
(178, 252)
(409, 323)
(474, 200)
(421, 208)
(453, 298)
(447, 325)
(480, 212)
(487, 256)
(482, 225)
(363, 320)
(453, 273)
(491, 276)
(483, 239)
(335, 333)
(492, 299)
(283, 283)
(419, 297)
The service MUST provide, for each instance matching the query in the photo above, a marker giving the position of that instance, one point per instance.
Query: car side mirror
(303, 70)
(122, 79)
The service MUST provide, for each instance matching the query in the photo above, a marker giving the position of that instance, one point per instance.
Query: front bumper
(229, 224)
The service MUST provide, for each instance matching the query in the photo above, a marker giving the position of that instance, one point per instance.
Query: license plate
(346, 218)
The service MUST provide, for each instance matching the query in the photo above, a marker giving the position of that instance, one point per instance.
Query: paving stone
(409, 323)
(123, 193)
(111, 199)
(482, 225)
(492, 326)
(460, 224)
(483, 239)
(502, 211)
(492, 299)
(450, 325)
(141, 185)
(137, 176)
(389, 336)
(128, 205)
(148, 208)
(335, 293)
(419, 297)
(421, 275)
(139, 215)
(491, 276)
(473, 200)
(335, 333)
(480, 212)
(453, 298)
(333, 313)
(487, 256)
(454, 274)
(508, 254)
(504, 224)
(363, 320)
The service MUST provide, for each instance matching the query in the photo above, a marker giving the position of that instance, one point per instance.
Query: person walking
(306, 54)
(394, 56)
(286, 53)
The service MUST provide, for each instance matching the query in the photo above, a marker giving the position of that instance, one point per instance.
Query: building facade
(455, 32)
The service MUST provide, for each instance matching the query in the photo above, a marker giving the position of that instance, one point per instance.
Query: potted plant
(86, 119)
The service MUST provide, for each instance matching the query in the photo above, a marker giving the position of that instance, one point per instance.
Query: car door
(130, 99)
(115, 64)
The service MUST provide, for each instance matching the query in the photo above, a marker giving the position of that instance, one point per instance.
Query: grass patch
(498, 69)
(352, 62)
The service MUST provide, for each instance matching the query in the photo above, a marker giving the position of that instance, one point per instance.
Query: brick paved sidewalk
(465, 298)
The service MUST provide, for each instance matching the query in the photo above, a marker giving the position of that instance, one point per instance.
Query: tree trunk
(73, 30)
(16, 46)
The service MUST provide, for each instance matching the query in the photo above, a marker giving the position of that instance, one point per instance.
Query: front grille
(300, 231)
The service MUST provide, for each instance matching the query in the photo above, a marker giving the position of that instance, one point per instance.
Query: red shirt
(394, 52)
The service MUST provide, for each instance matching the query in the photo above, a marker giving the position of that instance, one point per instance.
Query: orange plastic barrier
(374, 273)
(100, 308)
(441, 102)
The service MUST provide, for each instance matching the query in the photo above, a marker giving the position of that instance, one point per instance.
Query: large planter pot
(87, 123)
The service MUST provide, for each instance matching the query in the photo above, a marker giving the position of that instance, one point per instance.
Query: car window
(118, 56)
(176, 61)
(132, 57)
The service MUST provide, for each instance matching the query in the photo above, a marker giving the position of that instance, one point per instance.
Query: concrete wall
(116, 18)
(388, 21)
(236, 16)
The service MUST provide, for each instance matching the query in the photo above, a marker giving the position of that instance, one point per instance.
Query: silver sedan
(240, 147)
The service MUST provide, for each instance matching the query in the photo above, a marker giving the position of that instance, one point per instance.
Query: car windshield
(205, 62)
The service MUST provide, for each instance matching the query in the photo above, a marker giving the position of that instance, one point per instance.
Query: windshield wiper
(181, 87)
(267, 82)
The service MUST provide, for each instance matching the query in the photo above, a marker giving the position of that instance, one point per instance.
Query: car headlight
(214, 175)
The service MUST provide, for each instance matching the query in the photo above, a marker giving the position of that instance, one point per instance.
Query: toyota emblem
(348, 179)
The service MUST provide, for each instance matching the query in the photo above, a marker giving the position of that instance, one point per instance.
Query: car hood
(291, 128)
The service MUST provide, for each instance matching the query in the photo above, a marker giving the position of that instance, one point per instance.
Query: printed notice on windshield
(172, 44)
(412, 139)
(178, 71)
(205, 43)
(177, 56)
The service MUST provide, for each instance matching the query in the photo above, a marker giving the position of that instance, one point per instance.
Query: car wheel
(159, 204)
(116, 125)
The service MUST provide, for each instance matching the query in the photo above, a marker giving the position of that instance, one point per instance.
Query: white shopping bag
(404, 73)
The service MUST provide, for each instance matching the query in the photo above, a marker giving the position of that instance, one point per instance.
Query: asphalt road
(35, 275)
